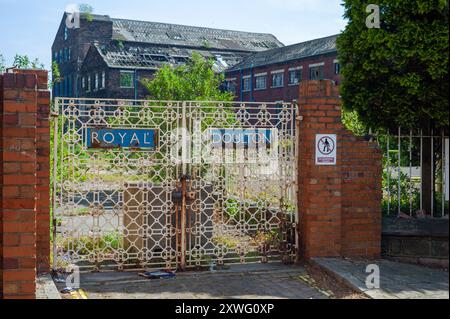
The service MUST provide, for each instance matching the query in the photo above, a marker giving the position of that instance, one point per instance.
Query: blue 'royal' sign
(121, 138)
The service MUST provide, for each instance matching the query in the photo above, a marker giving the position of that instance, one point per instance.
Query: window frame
(89, 83)
(295, 71)
(258, 77)
(337, 67)
(318, 66)
(103, 81)
(96, 82)
(246, 79)
(276, 74)
(123, 72)
(230, 85)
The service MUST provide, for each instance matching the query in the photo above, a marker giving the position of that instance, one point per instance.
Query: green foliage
(24, 62)
(396, 75)
(195, 81)
(86, 11)
(56, 75)
(408, 192)
(351, 121)
(120, 45)
(85, 245)
(232, 208)
(2, 63)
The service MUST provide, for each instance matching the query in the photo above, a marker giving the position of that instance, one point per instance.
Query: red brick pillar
(339, 205)
(43, 176)
(22, 93)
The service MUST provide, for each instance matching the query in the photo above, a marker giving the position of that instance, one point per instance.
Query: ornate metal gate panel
(144, 184)
(242, 204)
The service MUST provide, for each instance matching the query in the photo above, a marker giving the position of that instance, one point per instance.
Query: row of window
(316, 72)
(64, 87)
(63, 55)
(98, 79)
(92, 83)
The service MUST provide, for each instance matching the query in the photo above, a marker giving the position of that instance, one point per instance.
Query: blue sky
(29, 26)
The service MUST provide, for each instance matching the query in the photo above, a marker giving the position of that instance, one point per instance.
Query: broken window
(230, 85)
(174, 35)
(337, 68)
(316, 72)
(295, 76)
(180, 59)
(127, 79)
(160, 58)
(277, 79)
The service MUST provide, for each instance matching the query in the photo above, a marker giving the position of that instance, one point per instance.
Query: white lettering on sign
(122, 137)
(108, 137)
(134, 139)
(325, 149)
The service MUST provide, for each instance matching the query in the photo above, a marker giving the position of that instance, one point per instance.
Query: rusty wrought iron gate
(144, 184)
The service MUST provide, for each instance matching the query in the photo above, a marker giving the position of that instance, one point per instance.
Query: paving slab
(397, 280)
(46, 288)
(259, 281)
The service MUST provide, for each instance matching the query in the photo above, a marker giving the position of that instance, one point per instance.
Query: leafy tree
(195, 81)
(86, 11)
(2, 63)
(396, 75)
(24, 62)
(56, 75)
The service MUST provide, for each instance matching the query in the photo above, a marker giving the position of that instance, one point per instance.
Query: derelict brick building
(107, 57)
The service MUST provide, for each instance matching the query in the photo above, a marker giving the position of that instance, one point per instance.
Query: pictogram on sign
(326, 149)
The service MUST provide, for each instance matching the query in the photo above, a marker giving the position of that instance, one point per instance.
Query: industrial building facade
(108, 58)
(274, 75)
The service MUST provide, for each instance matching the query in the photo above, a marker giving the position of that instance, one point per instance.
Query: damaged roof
(182, 35)
(153, 57)
(191, 36)
(289, 53)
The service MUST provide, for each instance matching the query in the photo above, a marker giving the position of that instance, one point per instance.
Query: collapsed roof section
(182, 35)
(188, 36)
(152, 57)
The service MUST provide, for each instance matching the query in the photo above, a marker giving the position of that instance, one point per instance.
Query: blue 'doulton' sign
(121, 138)
(242, 137)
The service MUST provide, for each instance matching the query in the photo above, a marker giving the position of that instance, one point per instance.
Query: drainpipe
(135, 85)
(241, 93)
(76, 85)
(251, 83)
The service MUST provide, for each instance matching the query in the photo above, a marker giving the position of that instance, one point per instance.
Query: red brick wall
(24, 197)
(339, 206)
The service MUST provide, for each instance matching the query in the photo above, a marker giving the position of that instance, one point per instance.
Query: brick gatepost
(25, 179)
(340, 205)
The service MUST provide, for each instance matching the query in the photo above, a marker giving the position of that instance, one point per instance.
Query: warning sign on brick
(326, 149)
